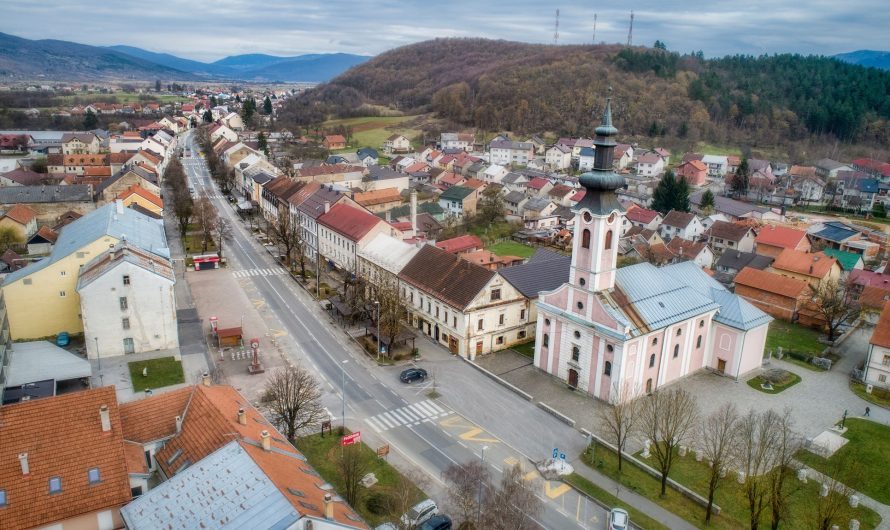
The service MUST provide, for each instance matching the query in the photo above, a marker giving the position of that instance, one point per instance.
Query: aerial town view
(432, 266)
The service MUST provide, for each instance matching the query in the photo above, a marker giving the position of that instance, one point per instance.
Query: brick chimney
(327, 206)
(205, 379)
(23, 460)
(267, 440)
(328, 507)
(242, 417)
(414, 211)
(178, 423)
(105, 417)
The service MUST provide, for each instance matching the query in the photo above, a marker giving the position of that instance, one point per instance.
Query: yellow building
(142, 197)
(41, 299)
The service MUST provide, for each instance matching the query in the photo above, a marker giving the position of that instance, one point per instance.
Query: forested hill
(501, 85)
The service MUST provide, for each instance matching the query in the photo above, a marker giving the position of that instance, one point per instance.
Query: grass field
(512, 248)
(164, 371)
(878, 396)
(793, 337)
(322, 453)
(88, 97)
(526, 348)
(868, 448)
(372, 131)
(591, 489)
(755, 383)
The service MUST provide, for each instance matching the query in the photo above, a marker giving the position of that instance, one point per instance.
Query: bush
(379, 503)
(799, 356)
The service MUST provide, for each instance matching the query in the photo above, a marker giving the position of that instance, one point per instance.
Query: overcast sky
(209, 30)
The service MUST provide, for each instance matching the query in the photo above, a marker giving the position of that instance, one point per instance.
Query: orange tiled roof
(84, 160)
(381, 196)
(873, 297)
(142, 192)
(771, 282)
(21, 214)
(97, 171)
(881, 334)
(63, 438)
(817, 265)
(780, 236)
(135, 456)
(146, 420)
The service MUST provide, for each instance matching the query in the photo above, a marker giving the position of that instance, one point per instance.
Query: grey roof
(224, 490)
(509, 144)
(514, 197)
(587, 151)
(139, 230)
(728, 206)
(46, 194)
(829, 164)
(659, 297)
(432, 208)
(738, 260)
(536, 204)
(313, 206)
(366, 152)
(39, 360)
(262, 177)
(734, 311)
(383, 173)
(512, 178)
(564, 212)
(544, 271)
(145, 174)
(456, 193)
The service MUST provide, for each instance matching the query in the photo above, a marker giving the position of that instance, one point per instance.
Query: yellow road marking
(473, 436)
(530, 476)
(258, 303)
(557, 491)
(511, 461)
(451, 421)
(277, 332)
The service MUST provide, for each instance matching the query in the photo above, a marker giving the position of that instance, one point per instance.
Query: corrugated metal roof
(734, 311)
(388, 252)
(226, 489)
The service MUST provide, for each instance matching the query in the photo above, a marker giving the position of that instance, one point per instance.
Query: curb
(502, 382)
(555, 413)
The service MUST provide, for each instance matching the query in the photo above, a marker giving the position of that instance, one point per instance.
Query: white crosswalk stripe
(409, 415)
(277, 271)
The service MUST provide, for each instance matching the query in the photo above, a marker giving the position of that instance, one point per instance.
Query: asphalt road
(428, 433)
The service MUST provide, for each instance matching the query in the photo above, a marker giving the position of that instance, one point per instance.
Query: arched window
(608, 369)
(649, 386)
(698, 342)
(545, 342)
(652, 360)
(585, 238)
(608, 240)
(679, 332)
(676, 350)
(576, 353)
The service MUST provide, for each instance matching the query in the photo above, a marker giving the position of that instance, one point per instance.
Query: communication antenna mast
(556, 29)
(594, 28)
(630, 31)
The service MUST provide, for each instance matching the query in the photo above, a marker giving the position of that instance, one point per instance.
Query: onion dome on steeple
(601, 182)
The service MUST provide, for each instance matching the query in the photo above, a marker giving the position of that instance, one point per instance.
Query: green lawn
(164, 371)
(512, 248)
(321, 451)
(790, 336)
(637, 517)
(193, 244)
(527, 349)
(755, 383)
(868, 447)
(730, 495)
(493, 231)
(878, 396)
(372, 131)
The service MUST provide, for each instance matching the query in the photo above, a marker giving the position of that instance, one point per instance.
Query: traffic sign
(555, 452)
(351, 439)
(562, 456)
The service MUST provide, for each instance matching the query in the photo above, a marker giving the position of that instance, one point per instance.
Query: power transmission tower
(630, 31)
(594, 28)
(556, 29)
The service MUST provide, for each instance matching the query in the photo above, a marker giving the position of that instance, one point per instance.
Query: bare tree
(207, 218)
(755, 438)
(406, 492)
(464, 482)
(834, 508)
(293, 396)
(717, 435)
(787, 444)
(513, 506)
(667, 417)
(353, 464)
(392, 309)
(183, 209)
(620, 417)
(222, 233)
(834, 302)
(285, 230)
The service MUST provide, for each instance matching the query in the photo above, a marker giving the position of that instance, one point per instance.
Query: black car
(412, 374)
(436, 522)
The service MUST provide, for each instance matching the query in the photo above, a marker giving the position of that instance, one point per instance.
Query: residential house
(680, 224)
(761, 166)
(586, 158)
(63, 462)
(344, 230)
(21, 219)
(538, 187)
(111, 187)
(717, 165)
(828, 168)
(458, 201)
(461, 244)
(80, 143)
(42, 300)
(368, 157)
(127, 303)
(558, 157)
(41, 243)
(513, 202)
(875, 168)
(397, 144)
(275, 194)
(379, 200)
(538, 208)
(877, 363)
(233, 121)
(696, 251)
(816, 269)
(650, 164)
(539, 143)
(623, 155)
(771, 240)
(333, 142)
(477, 314)
(49, 201)
(849, 261)
(730, 263)
(506, 152)
(515, 182)
(379, 177)
(309, 203)
(643, 217)
(490, 260)
(810, 188)
(136, 195)
(462, 141)
(383, 258)
(724, 236)
(348, 176)
(544, 271)
(494, 174)
(708, 221)
(735, 210)
(857, 190)
(776, 295)
(21, 177)
(219, 130)
(834, 234)
(694, 172)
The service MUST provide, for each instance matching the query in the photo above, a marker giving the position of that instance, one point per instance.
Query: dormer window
(55, 485)
(93, 475)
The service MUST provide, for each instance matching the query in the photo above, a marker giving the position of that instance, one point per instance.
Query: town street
(432, 434)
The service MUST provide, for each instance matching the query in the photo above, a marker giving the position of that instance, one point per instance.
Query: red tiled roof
(678, 219)
(871, 279)
(537, 183)
(62, 437)
(25, 177)
(335, 138)
(817, 265)
(771, 282)
(697, 165)
(578, 196)
(874, 297)
(142, 192)
(21, 214)
(330, 170)
(47, 233)
(780, 236)
(560, 190)
(349, 222)
(452, 179)
(375, 197)
(154, 418)
(881, 334)
(460, 244)
(640, 215)
(683, 247)
(97, 171)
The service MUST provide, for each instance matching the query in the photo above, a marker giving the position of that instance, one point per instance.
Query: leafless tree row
(480, 503)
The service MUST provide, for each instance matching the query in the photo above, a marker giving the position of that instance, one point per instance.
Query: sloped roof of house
(802, 171)
(142, 192)
(536, 204)
(881, 335)
(46, 194)
(649, 158)
(460, 243)
(874, 297)
(847, 260)
(728, 231)
(537, 183)
(44, 234)
(829, 164)
(636, 213)
(738, 260)
(514, 197)
(780, 236)
(734, 310)
(124, 253)
(544, 271)
(683, 247)
(144, 174)
(148, 420)
(452, 179)
(388, 252)
(870, 279)
(836, 232)
(696, 165)
(62, 437)
(727, 205)
(21, 214)
(330, 170)
(560, 191)
(445, 276)
(25, 177)
(351, 223)
(816, 265)
(335, 138)
(678, 219)
(771, 282)
(374, 197)
(456, 193)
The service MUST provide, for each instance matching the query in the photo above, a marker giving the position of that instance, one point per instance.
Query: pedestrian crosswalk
(424, 411)
(274, 271)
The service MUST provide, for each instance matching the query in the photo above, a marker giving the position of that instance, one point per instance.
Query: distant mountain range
(876, 59)
(53, 59)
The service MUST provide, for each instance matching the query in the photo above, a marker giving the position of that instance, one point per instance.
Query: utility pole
(594, 28)
(630, 31)
(556, 29)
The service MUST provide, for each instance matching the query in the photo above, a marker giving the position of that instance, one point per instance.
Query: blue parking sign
(562, 456)
(555, 452)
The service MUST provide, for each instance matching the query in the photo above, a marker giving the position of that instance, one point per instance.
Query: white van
(420, 513)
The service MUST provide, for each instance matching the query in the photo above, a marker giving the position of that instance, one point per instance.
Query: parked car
(386, 526)
(62, 339)
(618, 519)
(412, 374)
(420, 513)
(437, 522)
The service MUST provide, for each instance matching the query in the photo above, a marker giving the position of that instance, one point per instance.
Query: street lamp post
(377, 303)
(343, 391)
(479, 499)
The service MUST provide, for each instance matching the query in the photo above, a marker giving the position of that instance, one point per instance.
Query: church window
(585, 238)
(577, 334)
(652, 360)
(698, 342)
(608, 240)
(576, 353)
(608, 369)
(676, 350)
(545, 342)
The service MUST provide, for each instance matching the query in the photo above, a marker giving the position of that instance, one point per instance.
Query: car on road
(618, 519)
(421, 511)
(412, 374)
(436, 522)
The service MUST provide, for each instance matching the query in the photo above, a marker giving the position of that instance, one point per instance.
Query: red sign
(255, 343)
(351, 439)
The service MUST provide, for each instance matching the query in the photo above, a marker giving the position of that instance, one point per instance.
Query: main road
(431, 434)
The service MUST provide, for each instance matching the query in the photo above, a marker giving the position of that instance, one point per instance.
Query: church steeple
(601, 182)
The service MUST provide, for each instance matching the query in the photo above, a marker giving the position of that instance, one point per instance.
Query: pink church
(616, 333)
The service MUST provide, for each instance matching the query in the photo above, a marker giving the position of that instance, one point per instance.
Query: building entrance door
(721, 366)
(573, 378)
(129, 347)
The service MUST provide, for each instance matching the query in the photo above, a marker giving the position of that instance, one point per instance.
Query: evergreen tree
(664, 194)
(681, 193)
(653, 130)
(248, 108)
(262, 143)
(879, 210)
(740, 181)
(660, 45)
(267, 106)
(238, 98)
(157, 85)
(683, 130)
(707, 201)
(90, 121)
(213, 102)
(208, 116)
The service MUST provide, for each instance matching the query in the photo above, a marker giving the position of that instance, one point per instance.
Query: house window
(446, 318)
(577, 334)
(522, 314)
(62, 294)
(576, 353)
(652, 361)
(93, 475)
(495, 294)
(676, 350)
(123, 302)
(585, 238)
(126, 279)
(27, 281)
(480, 324)
(499, 340)
(608, 244)
(55, 484)
(520, 335)
(698, 342)
(882, 378)
(545, 341)
(454, 322)
(607, 371)
(63, 273)
(437, 311)
(2, 498)
(886, 361)
(125, 323)
(501, 320)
